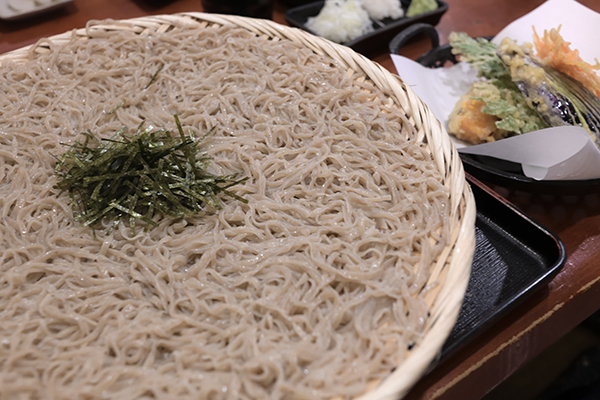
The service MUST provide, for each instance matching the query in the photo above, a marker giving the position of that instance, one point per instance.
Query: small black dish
(492, 170)
(376, 41)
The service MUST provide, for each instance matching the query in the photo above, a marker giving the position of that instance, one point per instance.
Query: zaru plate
(449, 275)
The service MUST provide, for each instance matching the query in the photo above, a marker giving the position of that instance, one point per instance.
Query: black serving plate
(514, 258)
(489, 169)
(510, 175)
(376, 41)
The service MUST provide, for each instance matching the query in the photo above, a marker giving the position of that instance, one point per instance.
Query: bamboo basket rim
(453, 268)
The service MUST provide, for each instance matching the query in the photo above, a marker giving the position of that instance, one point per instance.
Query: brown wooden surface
(573, 294)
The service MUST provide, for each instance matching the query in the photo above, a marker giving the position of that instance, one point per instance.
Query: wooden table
(572, 296)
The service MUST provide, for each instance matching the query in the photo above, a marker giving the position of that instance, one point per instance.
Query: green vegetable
(134, 177)
(418, 7)
(481, 53)
(502, 96)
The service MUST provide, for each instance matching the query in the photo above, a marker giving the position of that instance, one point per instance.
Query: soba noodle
(311, 290)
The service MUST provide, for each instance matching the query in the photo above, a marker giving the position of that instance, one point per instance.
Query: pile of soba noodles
(312, 290)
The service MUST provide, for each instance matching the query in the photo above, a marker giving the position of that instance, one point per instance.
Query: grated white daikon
(380, 9)
(341, 21)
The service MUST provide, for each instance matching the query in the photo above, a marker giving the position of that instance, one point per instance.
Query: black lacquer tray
(514, 257)
(384, 30)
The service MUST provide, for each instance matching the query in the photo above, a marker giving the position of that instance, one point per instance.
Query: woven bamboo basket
(451, 273)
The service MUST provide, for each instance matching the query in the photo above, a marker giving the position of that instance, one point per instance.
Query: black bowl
(377, 41)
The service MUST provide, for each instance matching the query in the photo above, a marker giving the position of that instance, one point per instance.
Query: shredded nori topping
(135, 177)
